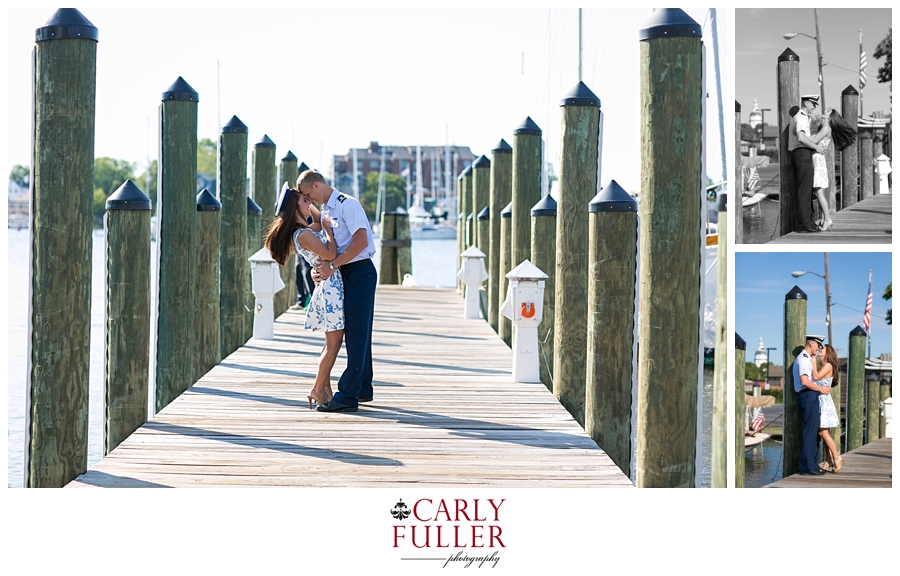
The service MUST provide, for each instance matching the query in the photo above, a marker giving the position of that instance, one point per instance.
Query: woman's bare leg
(333, 341)
(825, 435)
(823, 204)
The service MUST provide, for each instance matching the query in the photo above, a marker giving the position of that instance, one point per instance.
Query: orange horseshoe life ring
(527, 310)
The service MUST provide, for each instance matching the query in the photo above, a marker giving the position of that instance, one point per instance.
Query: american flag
(868, 317)
(758, 421)
(754, 179)
(862, 63)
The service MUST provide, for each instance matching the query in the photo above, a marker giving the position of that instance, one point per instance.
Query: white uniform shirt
(802, 365)
(799, 123)
(347, 216)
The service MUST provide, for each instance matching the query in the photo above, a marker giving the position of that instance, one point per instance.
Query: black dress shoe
(334, 407)
(807, 230)
(364, 399)
(816, 472)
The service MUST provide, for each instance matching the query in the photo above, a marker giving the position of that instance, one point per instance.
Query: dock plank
(868, 466)
(446, 413)
(866, 222)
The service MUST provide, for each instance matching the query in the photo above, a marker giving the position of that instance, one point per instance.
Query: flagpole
(868, 309)
(862, 68)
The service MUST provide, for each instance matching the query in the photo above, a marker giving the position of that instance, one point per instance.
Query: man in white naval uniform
(808, 402)
(355, 247)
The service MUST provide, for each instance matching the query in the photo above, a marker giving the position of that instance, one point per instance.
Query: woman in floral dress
(828, 413)
(295, 228)
(833, 127)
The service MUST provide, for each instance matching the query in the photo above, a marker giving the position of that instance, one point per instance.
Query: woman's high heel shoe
(826, 226)
(315, 396)
(838, 464)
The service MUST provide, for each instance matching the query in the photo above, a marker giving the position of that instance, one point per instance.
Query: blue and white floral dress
(326, 306)
(828, 417)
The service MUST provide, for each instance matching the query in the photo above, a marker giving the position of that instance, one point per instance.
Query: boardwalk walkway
(445, 414)
(868, 466)
(866, 222)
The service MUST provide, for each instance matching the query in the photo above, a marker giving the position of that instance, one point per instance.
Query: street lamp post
(799, 273)
(821, 61)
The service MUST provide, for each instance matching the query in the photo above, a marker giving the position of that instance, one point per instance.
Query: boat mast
(355, 175)
(379, 197)
(418, 175)
(447, 170)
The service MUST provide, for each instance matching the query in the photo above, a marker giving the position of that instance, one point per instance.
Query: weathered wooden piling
(788, 81)
(856, 388)
(127, 342)
(543, 255)
(484, 233)
(612, 265)
(794, 342)
(850, 154)
(720, 375)
(62, 192)
(877, 150)
(264, 183)
(885, 392)
(207, 340)
(387, 264)
(526, 187)
(469, 187)
(579, 159)
(287, 172)
(481, 189)
(504, 325)
(254, 243)
(738, 178)
(873, 409)
(233, 260)
(404, 246)
(176, 236)
(671, 194)
(500, 196)
(866, 164)
(740, 355)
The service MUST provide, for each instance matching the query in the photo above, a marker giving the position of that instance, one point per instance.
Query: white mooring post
(472, 273)
(524, 306)
(266, 281)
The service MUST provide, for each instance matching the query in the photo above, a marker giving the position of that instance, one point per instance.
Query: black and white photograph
(814, 125)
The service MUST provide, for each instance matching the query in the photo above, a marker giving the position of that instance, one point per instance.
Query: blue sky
(763, 279)
(759, 40)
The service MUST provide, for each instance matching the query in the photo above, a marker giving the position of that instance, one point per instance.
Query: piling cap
(289, 157)
(485, 213)
(669, 23)
(507, 212)
(180, 90)
(850, 91)
(502, 148)
(737, 106)
(128, 197)
(206, 202)
(858, 331)
(253, 208)
(471, 216)
(739, 343)
(527, 127)
(467, 171)
(580, 95)
(723, 202)
(67, 23)
(302, 167)
(264, 142)
(613, 198)
(788, 56)
(795, 294)
(234, 126)
(546, 206)
(482, 162)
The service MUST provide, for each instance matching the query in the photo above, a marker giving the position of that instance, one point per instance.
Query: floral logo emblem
(400, 511)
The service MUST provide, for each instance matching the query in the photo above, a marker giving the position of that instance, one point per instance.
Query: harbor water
(434, 265)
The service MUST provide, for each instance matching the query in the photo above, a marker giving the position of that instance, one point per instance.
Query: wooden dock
(868, 466)
(866, 222)
(445, 414)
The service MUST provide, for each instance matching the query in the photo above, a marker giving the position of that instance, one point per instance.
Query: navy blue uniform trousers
(360, 279)
(808, 400)
(801, 160)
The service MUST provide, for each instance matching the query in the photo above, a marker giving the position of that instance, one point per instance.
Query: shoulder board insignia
(341, 197)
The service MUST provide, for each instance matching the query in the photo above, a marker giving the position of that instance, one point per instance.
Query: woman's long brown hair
(831, 358)
(280, 237)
